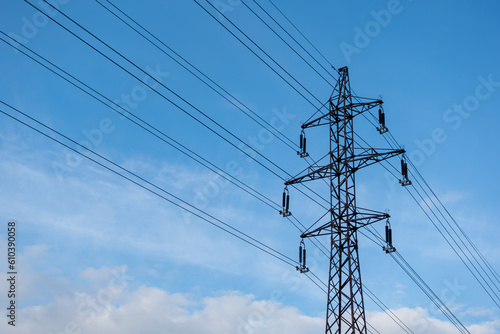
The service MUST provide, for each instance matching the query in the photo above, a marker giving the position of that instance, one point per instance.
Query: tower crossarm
(325, 229)
(362, 218)
(314, 174)
(366, 217)
(370, 156)
(334, 111)
(366, 157)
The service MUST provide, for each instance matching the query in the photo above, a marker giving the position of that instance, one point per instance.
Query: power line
(59, 68)
(138, 118)
(275, 206)
(387, 310)
(235, 26)
(414, 277)
(208, 78)
(450, 244)
(228, 228)
(458, 241)
(169, 100)
(276, 131)
(435, 299)
(374, 298)
(448, 235)
(286, 18)
(135, 175)
(271, 29)
(250, 49)
(191, 208)
(188, 207)
(467, 261)
(114, 106)
(293, 38)
(281, 38)
(469, 241)
(154, 89)
(391, 137)
(372, 328)
(239, 105)
(146, 126)
(417, 279)
(267, 25)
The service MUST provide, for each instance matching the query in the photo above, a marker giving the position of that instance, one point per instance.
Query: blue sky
(86, 234)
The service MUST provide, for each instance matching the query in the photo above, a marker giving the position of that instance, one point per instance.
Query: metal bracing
(345, 306)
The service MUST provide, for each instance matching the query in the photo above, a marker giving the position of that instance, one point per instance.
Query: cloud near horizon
(111, 306)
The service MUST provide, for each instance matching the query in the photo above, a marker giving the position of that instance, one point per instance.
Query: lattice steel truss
(345, 306)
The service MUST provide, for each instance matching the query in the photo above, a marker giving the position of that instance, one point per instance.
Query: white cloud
(101, 274)
(420, 321)
(477, 312)
(153, 310)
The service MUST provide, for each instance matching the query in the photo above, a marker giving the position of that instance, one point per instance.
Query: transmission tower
(345, 307)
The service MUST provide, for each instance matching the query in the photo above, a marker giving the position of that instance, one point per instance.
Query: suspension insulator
(287, 202)
(404, 172)
(300, 254)
(301, 141)
(304, 145)
(304, 257)
(404, 169)
(284, 199)
(381, 117)
(390, 237)
(387, 234)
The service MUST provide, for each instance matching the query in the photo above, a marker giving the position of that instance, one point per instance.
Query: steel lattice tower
(345, 306)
